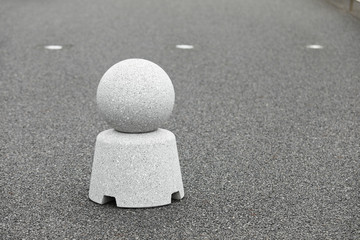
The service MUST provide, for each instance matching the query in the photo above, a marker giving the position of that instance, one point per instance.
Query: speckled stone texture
(135, 95)
(138, 170)
(136, 162)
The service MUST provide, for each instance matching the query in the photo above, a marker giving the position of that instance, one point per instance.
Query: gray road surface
(267, 130)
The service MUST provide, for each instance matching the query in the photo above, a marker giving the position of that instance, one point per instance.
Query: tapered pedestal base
(138, 170)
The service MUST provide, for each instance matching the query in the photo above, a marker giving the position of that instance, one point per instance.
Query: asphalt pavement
(268, 130)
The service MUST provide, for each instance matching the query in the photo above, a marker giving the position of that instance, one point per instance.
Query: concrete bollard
(136, 162)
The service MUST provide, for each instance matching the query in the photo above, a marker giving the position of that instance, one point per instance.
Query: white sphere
(135, 95)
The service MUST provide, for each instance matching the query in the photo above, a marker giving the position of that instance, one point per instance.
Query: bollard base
(139, 170)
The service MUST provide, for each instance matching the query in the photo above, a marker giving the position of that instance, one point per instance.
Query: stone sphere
(135, 95)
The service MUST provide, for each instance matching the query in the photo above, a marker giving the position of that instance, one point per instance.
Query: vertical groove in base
(107, 199)
(176, 195)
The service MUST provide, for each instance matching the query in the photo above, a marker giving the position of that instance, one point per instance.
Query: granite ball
(135, 95)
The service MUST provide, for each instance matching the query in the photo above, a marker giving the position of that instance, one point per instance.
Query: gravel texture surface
(268, 130)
